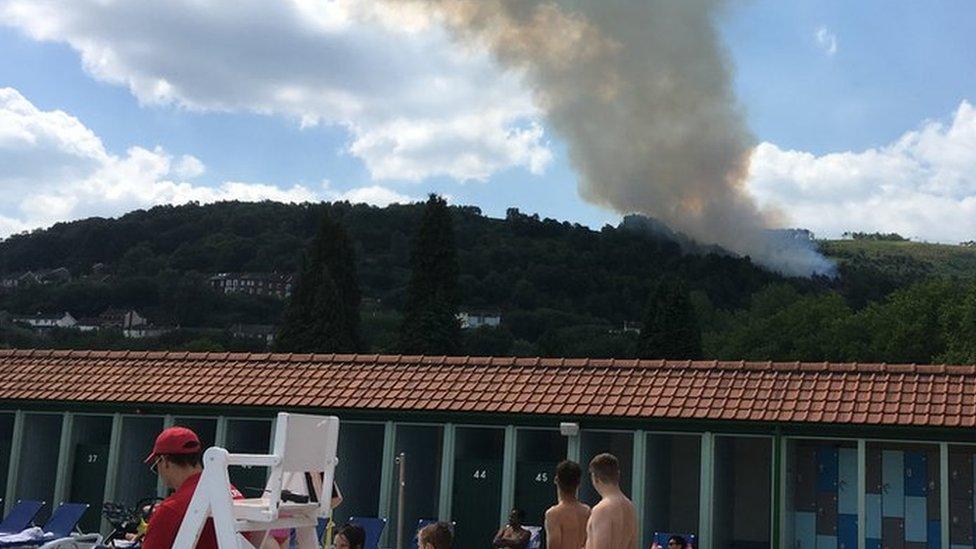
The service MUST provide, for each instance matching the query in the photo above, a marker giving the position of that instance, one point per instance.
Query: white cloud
(826, 40)
(922, 185)
(189, 167)
(374, 195)
(416, 105)
(55, 169)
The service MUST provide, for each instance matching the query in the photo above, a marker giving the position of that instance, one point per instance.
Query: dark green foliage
(178, 340)
(863, 278)
(323, 313)
(592, 341)
(931, 321)
(783, 324)
(542, 275)
(562, 289)
(670, 329)
(886, 237)
(959, 320)
(488, 341)
(430, 325)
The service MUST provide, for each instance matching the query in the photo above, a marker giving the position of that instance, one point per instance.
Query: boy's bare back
(566, 525)
(612, 524)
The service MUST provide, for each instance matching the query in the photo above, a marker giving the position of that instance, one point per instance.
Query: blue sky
(878, 72)
(897, 64)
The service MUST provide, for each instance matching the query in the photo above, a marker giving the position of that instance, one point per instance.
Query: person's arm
(336, 496)
(522, 539)
(499, 540)
(554, 534)
(599, 531)
(586, 524)
(162, 529)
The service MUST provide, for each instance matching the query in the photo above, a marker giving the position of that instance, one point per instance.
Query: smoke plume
(641, 92)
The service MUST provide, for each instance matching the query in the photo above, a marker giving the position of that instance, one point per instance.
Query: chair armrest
(261, 460)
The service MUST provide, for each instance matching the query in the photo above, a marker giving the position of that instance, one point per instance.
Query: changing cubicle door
(903, 499)
(476, 501)
(248, 436)
(821, 494)
(88, 482)
(6, 446)
(421, 444)
(538, 452)
(535, 489)
(39, 455)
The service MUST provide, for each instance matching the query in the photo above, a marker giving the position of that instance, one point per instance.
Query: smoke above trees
(641, 92)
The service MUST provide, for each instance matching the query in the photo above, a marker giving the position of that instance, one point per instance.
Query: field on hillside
(934, 259)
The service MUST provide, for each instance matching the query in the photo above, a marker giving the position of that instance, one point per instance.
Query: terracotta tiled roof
(865, 394)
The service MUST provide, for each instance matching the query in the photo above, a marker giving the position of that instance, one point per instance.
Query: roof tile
(908, 395)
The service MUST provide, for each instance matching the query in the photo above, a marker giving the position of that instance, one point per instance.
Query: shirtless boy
(613, 522)
(566, 521)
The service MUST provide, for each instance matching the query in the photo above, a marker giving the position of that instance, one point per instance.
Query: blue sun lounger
(62, 524)
(374, 529)
(20, 517)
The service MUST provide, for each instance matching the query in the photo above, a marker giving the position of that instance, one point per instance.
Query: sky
(862, 113)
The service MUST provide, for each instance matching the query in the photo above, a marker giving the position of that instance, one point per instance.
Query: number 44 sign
(480, 473)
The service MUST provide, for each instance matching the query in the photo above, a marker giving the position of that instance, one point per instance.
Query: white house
(471, 319)
(272, 284)
(63, 320)
(146, 330)
(121, 318)
(264, 332)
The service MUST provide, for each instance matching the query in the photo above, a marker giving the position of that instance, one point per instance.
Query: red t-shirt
(168, 515)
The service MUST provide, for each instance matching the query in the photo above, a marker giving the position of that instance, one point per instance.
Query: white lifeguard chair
(303, 444)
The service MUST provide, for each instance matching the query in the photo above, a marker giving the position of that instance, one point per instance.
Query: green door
(5, 447)
(88, 482)
(476, 501)
(535, 489)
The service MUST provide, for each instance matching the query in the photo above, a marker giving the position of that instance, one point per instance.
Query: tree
(430, 324)
(670, 329)
(323, 314)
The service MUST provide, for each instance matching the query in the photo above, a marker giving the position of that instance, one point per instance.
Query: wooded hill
(562, 289)
(541, 274)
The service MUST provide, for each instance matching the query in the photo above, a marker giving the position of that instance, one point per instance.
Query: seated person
(678, 542)
(513, 535)
(350, 536)
(435, 536)
(177, 457)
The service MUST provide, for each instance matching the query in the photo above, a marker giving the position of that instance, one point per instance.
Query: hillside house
(270, 284)
(13, 281)
(47, 321)
(264, 332)
(121, 318)
(475, 319)
(143, 331)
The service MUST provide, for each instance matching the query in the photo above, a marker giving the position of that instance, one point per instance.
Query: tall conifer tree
(430, 325)
(670, 329)
(323, 314)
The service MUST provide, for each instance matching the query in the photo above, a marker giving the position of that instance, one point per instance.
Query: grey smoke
(641, 92)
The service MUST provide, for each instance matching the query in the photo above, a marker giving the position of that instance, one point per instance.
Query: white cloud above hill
(56, 169)
(922, 185)
(415, 105)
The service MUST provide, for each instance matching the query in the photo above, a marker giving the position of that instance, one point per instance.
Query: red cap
(175, 440)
